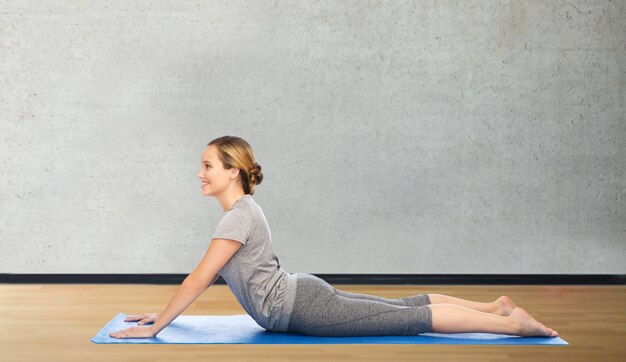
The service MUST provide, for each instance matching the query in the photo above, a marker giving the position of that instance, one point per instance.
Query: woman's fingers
(131, 318)
(150, 319)
(142, 318)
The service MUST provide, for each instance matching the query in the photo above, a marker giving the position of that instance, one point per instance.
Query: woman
(241, 252)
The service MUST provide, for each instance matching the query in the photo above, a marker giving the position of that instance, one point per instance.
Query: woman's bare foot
(527, 326)
(504, 306)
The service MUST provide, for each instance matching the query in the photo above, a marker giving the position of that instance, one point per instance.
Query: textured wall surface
(395, 137)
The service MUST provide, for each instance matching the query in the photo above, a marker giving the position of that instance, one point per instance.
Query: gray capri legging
(321, 310)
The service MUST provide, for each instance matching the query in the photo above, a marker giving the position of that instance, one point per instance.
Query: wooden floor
(55, 322)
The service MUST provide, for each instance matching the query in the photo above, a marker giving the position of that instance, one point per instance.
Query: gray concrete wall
(395, 137)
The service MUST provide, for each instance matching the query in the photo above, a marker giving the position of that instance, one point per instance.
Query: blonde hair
(236, 152)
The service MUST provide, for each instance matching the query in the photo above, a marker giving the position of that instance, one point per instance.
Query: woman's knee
(416, 300)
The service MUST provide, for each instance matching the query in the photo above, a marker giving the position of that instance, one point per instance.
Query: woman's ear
(234, 173)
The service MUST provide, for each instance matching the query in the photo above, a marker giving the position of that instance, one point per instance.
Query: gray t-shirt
(254, 274)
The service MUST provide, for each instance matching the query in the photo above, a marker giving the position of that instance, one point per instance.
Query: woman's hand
(138, 332)
(143, 318)
(134, 332)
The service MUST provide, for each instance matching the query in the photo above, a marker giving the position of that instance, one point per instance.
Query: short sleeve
(235, 225)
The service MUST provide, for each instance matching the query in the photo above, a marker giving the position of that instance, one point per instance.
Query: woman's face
(214, 177)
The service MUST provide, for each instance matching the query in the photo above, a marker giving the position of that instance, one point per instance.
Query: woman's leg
(502, 306)
(451, 318)
(319, 310)
(414, 300)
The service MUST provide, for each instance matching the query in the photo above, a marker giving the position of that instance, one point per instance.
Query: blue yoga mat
(242, 329)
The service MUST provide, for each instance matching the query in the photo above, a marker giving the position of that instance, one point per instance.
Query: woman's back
(254, 273)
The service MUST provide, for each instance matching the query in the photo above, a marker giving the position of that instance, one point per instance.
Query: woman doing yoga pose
(241, 252)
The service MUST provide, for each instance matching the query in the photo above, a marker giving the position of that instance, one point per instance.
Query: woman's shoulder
(254, 209)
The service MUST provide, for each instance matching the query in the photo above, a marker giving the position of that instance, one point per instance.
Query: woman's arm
(188, 292)
(218, 254)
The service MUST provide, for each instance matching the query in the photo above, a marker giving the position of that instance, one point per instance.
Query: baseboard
(391, 279)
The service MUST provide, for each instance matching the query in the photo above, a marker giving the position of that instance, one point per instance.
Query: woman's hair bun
(255, 175)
